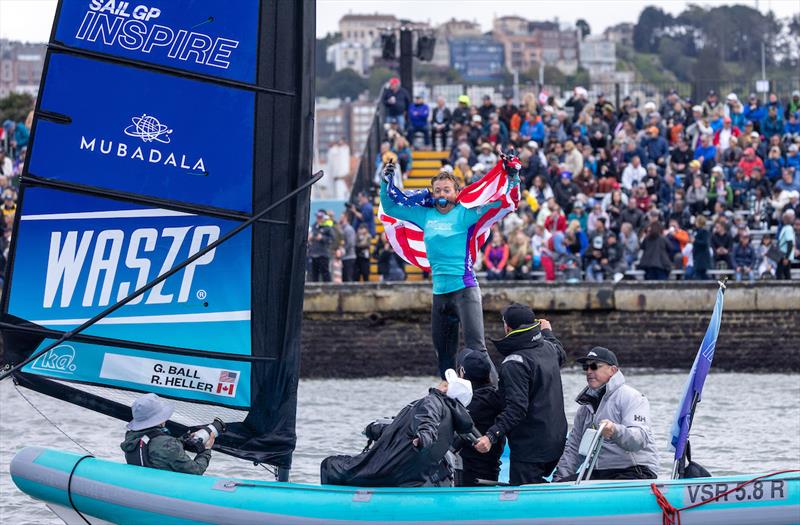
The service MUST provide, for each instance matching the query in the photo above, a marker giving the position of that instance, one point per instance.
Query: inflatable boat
(102, 491)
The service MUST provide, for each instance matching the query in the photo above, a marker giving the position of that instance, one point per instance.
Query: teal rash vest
(447, 237)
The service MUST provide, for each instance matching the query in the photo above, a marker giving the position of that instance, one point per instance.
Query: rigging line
(50, 421)
(175, 269)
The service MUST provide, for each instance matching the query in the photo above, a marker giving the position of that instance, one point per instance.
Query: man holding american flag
(441, 230)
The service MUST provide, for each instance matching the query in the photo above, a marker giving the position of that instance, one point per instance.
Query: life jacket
(140, 456)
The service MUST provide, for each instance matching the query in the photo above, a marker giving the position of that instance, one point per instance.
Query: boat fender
(140, 456)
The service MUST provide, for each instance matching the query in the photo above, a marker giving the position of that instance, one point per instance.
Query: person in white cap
(149, 444)
(410, 450)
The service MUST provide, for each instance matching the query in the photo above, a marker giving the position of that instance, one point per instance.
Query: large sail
(159, 128)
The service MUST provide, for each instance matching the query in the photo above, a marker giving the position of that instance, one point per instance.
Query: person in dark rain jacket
(533, 400)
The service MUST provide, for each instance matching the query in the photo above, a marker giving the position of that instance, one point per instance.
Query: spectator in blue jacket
(418, 120)
(753, 110)
(773, 164)
(656, 149)
(744, 257)
(706, 153)
(792, 126)
(793, 158)
(790, 181)
(772, 124)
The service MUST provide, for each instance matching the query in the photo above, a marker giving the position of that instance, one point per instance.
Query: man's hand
(210, 442)
(415, 442)
(544, 324)
(608, 430)
(483, 445)
(388, 172)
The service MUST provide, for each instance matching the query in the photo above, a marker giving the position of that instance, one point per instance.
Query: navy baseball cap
(476, 364)
(598, 353)
(516, 315)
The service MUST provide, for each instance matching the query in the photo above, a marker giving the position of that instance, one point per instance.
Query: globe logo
(149, 129)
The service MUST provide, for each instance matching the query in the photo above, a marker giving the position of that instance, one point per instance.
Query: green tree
(437, 75)
(580, 78)
(644, 32)
(323, 68)
(670, 52)
(16, 107)
(707, 71)
(584, 27)
(378, 76)
(342, 84)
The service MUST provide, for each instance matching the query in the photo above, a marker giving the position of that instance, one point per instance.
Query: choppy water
(746, 423)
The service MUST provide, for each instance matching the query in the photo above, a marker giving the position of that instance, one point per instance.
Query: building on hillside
(477, 58)
(451, 29)
(21, 66)
(527, 44)
(349, 55)
(331, 123)
(365, 29)
(598, 56)
(620, 34)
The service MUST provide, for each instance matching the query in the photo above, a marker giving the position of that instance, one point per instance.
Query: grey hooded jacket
(632, 443)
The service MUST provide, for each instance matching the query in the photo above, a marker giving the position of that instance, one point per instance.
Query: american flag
(408, 239)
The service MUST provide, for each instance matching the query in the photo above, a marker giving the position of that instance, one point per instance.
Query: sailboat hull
(128, 494)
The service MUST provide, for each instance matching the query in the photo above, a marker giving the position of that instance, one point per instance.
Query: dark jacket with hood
(165, 452)
(530, 385)
(393, 461)
(486, 404)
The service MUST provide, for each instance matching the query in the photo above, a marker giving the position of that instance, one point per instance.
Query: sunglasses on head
(592, 366)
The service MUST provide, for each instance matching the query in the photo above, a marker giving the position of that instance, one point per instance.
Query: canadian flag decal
(227, 383)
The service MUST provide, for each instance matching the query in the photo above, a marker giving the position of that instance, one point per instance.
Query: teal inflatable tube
(126, 494)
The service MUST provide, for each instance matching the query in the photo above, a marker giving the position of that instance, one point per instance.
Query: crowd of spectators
(13, 148)
(609, 192)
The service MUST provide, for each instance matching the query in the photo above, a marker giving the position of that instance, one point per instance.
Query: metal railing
(366, 165)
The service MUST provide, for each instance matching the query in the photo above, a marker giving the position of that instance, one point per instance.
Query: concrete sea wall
(373, 329)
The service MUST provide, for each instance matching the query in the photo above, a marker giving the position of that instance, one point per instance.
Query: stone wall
(370, 330)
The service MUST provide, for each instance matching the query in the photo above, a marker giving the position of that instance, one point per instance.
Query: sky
(30, 20)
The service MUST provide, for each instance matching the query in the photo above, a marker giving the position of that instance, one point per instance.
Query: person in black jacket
(409, 451)
(533, 401)
(486, 404)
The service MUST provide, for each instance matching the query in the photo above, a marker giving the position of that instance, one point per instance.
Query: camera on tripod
(196, 441)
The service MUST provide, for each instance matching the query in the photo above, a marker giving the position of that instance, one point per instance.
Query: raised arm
(390, 195)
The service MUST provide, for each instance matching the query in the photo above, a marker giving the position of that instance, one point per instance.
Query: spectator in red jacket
(750, 161)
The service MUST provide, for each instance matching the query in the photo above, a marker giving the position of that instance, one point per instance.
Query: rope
(69, 489)
(49, 421)
(672, 516)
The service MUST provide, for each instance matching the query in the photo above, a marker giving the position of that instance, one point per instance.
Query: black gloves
(388, 172)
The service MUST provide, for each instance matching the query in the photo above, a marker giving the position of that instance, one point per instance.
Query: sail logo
(114, 24)
(109, 253)
(59, 359)
(148, 128)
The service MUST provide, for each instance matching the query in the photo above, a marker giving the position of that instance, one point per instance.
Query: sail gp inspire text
(118, 23)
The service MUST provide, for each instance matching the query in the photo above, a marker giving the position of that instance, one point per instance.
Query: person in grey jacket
(628, 449)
